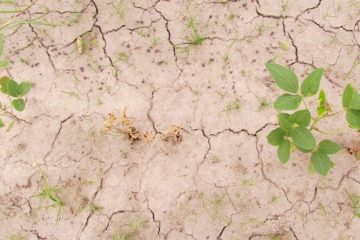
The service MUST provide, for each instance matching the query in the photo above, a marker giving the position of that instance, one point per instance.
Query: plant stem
(316, 120)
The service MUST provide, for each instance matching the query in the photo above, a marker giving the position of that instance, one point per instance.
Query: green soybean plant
(296, 126)
(15, 92)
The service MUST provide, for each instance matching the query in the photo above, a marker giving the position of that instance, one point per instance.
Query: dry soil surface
(198, 65)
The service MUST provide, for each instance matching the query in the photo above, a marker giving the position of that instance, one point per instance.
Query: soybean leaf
(321, 109)
(24, 88)
(287, 102)
(353, 118)
(303, 150)
(1, 123)
(311, 168)
(347, 96)
(18, 104)
(3, 81)
(310, 86)
(301, 118)
(285, 78)
(355, 101)
(329, 147)
(276, 136)
(284, 151)
(303, 138)
(11, 88)
(321, 162)
(351, 98)
(284, 122)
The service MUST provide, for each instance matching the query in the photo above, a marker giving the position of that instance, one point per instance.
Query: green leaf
(322, 109)
(276, 137)
(18, 104)
(301, 118)
(287, 102)
(1, 123)
(329, 147)
(353, 118)
(311, 168)
(11, 88)
(310, 86)
(284, 77)
(3, 82)
(4, 63)
(347, 96)
(24, 88)
(303, 150)
(303, 138)
(321, 162)
(355, 101)
(285, 122)
(284, 151)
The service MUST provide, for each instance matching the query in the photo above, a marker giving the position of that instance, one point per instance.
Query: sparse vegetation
(50, 194)
(195, 37)
(129, 231)
(354, 203)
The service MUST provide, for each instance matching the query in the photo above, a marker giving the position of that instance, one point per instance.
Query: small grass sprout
(355, 203)
(130, 231)
(50, 194)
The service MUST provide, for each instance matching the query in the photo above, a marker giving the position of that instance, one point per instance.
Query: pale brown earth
(223, 181)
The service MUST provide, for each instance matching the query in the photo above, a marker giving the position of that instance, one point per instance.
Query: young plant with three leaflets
(295, 128)
(15, 91)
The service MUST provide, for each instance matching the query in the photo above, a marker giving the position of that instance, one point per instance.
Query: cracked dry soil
(223, 181)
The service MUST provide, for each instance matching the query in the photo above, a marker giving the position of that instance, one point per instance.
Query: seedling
(173, 135)
(119, 8)
(94, 208)
(295, 128)
(355, 203)
(154, 41)
(123, 56)
(264, 103)
(214, 206)
(225, 56)
(16, 93)
(195, 37)
(232, 106)
(130, 231)
(284, 5)
(50, 194)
